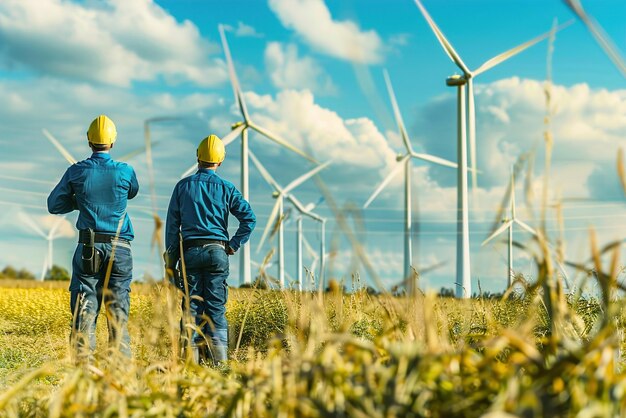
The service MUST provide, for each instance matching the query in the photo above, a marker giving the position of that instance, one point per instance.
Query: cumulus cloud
(588, 127)
(355, 143)
(114, 42)
(312, 20)
(289, 71)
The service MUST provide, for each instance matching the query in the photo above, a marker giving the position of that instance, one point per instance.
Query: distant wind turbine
(308, 212)
(48, 261)
(464, 84)
(277, 211)
(405, 162)
(507, 225)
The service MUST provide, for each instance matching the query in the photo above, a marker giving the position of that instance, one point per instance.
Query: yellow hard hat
(102, 131)
(211, 150)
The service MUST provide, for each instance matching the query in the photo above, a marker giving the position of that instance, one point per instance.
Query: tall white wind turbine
(280, 193)
(464, 86)
(242, 128)
(48, 261)
(507, 225)
(405, 162)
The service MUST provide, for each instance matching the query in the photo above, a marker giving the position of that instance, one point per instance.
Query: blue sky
(311, 71)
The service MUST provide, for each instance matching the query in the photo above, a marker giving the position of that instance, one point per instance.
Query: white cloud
(312, 20)
(288, 71)
(114, 42)
(354, 144)
(243, 30)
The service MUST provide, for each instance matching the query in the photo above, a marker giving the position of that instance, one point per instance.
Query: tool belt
(201, 242)
(85, 237)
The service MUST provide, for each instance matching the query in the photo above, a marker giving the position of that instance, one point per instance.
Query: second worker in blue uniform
(199, 210)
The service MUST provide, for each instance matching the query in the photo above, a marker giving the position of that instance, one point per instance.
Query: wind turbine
(507, 225)
(49, 237)
(464, 85)
(405, 161)
(308, 212)
(242, 128)
(277, 211)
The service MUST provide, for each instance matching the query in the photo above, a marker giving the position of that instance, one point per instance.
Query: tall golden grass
(540, 353)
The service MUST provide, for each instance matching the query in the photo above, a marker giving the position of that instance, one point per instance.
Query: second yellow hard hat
(211, 150)
(102, 131)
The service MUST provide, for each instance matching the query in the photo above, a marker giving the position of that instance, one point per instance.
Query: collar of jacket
(102, 155)
(206, 170)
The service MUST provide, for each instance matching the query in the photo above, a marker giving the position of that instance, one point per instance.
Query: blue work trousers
(207, 271)
(87, 293)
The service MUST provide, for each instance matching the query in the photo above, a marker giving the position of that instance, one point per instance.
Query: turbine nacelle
(457, 80)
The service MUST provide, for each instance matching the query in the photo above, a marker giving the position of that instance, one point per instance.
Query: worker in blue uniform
(99, 189)
(199, 210)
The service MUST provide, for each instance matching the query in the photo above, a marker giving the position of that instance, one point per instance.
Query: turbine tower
(277, 211)
(308, 212)
(242, 128)
(464, 85)
(507, 225)
(405, 162)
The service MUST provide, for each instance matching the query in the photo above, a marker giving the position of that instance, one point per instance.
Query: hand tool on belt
(90, 257)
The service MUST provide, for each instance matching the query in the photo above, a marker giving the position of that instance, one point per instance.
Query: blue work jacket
(199, 208)
(99, 188)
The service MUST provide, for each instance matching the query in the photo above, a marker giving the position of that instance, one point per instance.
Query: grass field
(543, 354)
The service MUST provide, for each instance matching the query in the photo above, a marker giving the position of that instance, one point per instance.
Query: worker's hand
(229, 250)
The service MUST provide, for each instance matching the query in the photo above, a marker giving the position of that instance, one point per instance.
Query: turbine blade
(487, 65)
(232, 135)
(302, 209)
(397, 114)
(30, 222)
(506, 198)
(297, 204)
(270, 222)
(526, 226)
(313, 205)
(433, 159)
(442, 39)
(497, 232)
(599, 34)
(471, 127)
(306, 176)
(273, 137)
(264, 173)
(386, 181)
(135, 152)
(163, 119)
(189, 171)
(241, 104)
(64, 152)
